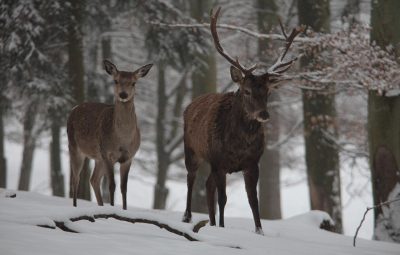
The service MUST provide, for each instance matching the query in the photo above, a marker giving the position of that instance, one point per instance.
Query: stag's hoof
(187, 217)
(259, 231)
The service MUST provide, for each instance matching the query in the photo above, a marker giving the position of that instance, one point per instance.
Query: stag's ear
(142, 71)
(111, 69)
(236, 74)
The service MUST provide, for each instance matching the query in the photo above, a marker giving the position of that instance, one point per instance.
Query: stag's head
(124, 88)
(254, 89)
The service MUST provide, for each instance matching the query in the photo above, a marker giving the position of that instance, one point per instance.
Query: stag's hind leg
(211, 188)
(220, 182)
(76, 163)
(192, 164)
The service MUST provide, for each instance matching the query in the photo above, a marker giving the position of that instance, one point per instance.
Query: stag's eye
(247, 92)
(116, 82)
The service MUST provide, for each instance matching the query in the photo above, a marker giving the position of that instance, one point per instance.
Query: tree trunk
(384, 128)
(76, 75)
(107, 54)
(29, 147)
(322, 156)
(204, 80)
(160, 191)
(3, 162)
(269, 184)
(57, 177)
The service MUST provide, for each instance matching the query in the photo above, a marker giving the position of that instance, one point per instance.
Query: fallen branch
(365, 214)
(61, 225)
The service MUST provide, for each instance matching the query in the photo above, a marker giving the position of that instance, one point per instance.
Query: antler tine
(214, 33)
(279, 67)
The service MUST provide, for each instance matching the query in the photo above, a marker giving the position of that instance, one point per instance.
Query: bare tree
(384, 127)
(322, 156)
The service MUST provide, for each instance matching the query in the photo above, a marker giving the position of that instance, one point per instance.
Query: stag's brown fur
(226, 129)
(106, 133)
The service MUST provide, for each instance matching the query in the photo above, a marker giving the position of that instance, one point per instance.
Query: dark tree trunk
(76, 74)
(107, 54)
(322, 156)
(29, 147)
(269, 182)
(57, 177)
(160, 190)
(204, 80)
(384, 127)
(3, 162)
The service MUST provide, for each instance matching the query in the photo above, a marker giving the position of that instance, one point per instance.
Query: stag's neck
(240, 118)
(125, 117)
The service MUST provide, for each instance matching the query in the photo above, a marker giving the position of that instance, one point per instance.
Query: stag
(226, 130)
(106, 133)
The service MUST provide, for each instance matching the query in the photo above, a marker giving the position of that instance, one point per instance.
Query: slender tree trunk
(160, 190)
(57, 177)
(76, 75)
(29, 147)
(3, 162)
(204, 80)
(322, 157)
(384, 128)
(269, 184)
(107, 54)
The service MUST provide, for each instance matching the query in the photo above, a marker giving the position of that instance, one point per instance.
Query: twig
(365, 213)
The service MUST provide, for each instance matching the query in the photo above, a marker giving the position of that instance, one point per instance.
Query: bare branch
(365, 213)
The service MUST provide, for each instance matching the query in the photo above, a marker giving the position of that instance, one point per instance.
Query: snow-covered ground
(295, 198)
(20, 233)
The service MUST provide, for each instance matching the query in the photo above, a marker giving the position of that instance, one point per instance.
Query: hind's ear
(111, 69)
(236, 75)
(142, 71)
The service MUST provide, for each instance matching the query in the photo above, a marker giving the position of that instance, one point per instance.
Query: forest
(334, 125)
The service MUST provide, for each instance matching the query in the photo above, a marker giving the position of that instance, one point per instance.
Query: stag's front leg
(124, 172)
(251, 179)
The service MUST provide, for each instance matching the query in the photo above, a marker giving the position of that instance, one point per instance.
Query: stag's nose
(123, 95)
(263, 116)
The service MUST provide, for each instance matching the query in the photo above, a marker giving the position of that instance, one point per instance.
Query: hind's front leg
(124, 173)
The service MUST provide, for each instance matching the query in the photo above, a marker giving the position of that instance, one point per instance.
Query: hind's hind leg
(76, 163)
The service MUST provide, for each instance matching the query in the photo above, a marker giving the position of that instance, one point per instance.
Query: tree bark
(29, 147)
(322, 157)
(3, 162)
(76, 74)
(204, 80)
(384, 127)
(57, 177)
(269, 184)
(160, 190)
(107, 54)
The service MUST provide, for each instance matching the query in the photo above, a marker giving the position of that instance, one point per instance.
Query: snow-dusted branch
(63, 226)
(232, 27)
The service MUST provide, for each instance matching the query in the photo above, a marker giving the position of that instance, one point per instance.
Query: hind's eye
(133, 83)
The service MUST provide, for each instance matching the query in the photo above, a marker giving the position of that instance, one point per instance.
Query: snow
(19, 233)
(294, 192)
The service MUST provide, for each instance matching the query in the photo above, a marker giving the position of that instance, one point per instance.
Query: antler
(234, 62)
(281, 66)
